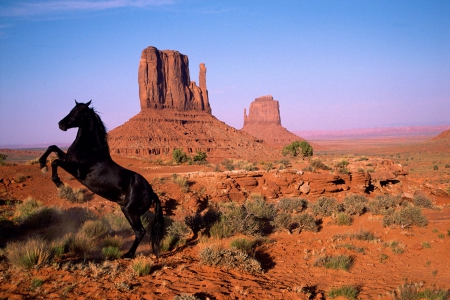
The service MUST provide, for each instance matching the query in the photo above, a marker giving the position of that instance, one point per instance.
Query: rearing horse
(89, 161)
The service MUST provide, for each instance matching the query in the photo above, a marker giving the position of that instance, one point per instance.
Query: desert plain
(388, 260)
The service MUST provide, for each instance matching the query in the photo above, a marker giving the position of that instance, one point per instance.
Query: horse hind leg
(139, 232)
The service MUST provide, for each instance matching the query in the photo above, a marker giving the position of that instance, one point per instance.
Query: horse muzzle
(62, 126)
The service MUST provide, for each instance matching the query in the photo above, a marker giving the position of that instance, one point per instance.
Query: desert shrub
(186, 297)
(228, 164)
(116, 221)
(325, 206)
(414, 291)
(355, 204)
(200, 157)
(384, 204)
(20, 178)
(36, 283)
(342, 164)
(343, 262)
(268, 166)
(343, 219)
(396, 247)
(111, 252)
(182, 182)
(179, 230)
(346, 291)
(245, 245)
(260, 209)
(406, 217)
(32, 253)
(114, 241)
(198, 221)
(179, 156)
(141, 265)
(3, 157)
(305, 221)
(292, 205)
(283, 221)
(364, 235)
(318, 164)
(298, 148)
(235, 219)
(80, 244)
(73, 195)
(229, 259)
(94, 229)
(27, 208)
(362, 158)
(422, 201)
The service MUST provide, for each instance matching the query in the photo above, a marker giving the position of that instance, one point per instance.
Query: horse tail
(157, 230)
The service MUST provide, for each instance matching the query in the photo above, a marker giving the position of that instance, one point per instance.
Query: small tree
(179, 156)
(298, 148)
(200, 157)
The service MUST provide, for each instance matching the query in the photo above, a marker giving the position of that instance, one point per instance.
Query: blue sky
(331, 64)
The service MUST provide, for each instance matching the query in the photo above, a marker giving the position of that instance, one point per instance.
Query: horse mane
(101, 129)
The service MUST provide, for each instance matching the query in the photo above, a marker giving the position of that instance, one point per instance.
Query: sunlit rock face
(164, 82)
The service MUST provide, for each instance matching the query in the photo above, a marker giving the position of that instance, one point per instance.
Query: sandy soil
(287, 259)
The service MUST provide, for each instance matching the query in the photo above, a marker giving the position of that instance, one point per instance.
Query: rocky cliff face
(164, 82)
(264, 122)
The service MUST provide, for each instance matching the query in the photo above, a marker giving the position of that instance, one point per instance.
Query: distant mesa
(176, 114)
(264, 122)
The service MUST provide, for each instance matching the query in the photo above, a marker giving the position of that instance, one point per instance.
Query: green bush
(355, 204)
(343, 219)
(179, 156)
(260, 209)
(318, 164)
(236, 219)
(298, 148)
(325, 206)
(111, 252)
(291, 205)
(305, 221)
(406, 217)
(200, 157)
(384, 204)
(245, 245)
(283, 221)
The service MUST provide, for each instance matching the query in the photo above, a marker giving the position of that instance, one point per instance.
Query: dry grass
(27, 255)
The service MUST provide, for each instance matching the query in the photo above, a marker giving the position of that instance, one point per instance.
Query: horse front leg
(43, 158)
(69, 167)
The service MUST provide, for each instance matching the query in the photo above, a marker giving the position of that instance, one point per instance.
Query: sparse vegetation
(292, 205)
(415, 291)
(229, 259)
(324, 206)
(406, 217)
(422, 201)
(343, 219)
(73, 195)
(355, 204)
(182, 182)
(34, 252)
(3, 157)
(141, 265)
(346, 291)
(199, 157)
(343, 262)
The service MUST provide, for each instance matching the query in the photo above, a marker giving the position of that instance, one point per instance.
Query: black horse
(89, 161)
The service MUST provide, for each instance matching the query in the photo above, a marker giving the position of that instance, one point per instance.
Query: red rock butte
(264, 122)
(176, 114)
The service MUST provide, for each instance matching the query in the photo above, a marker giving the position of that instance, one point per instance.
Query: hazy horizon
(332, 65)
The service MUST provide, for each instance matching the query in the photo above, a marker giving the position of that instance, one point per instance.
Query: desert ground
(386, 260)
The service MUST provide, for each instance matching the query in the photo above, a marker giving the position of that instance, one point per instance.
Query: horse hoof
(44, 169)
(59, 184)
(127, 255)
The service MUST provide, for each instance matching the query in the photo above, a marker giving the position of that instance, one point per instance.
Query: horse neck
(89, 136)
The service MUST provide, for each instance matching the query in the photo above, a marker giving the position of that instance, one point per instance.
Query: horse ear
(89, 103)
(76, 103)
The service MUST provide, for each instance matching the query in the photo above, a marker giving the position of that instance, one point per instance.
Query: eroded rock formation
(175, 113)
(164, 82)
(264, 122)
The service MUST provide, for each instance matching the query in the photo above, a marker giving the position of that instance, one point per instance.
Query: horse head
(76, 116)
